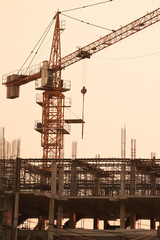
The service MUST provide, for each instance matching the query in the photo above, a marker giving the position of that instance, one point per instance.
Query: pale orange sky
(122, 81)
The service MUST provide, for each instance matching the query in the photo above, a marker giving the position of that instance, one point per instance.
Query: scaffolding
(85, 177)
(74, 189)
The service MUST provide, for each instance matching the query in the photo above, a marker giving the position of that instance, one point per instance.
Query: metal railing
(26, 71)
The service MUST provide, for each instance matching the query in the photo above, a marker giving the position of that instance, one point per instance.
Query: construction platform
(99, 189)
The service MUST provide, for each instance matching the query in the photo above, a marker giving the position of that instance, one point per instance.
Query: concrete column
(122, 215)
(73, 170)
(60, 215)
(73, 179)
(106, 224)
(51, 213)
(158, 232)
(61, 189)
(132, 221)
(16, 208)
(152, 223)
(96, 188)
(96, 223)
(53, 179)
(153, 184)
(72, 220)
(61, 181)
(1, 176)
(16, 211)
(133, 179)
(51, 218)
(122, 180)
(1, 191)
(52, 200)
(7, 217)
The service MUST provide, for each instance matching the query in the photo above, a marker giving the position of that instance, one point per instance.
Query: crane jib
(115, 36)
(90, 49)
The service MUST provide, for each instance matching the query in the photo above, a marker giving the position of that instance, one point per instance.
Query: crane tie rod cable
(41, 38)
(128, 58)
(39, 46)
(94, 25)
(91, 5)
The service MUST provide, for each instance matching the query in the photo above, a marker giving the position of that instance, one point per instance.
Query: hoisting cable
(94, 25)
(83, 91)
(91, 5)
(43, 35)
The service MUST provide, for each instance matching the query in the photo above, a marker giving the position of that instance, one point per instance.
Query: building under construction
(59, 192)
(69, 190)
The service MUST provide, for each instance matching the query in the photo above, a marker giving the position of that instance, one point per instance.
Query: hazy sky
(122, 81)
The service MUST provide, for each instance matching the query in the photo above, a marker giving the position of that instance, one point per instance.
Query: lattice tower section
(52, 124)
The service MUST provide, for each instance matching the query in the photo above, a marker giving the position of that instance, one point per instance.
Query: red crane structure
(53, 126)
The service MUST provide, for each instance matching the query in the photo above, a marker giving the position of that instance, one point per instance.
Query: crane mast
(53, 123)
(53, 101)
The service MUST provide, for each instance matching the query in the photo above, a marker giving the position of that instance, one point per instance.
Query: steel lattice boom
(96, 46)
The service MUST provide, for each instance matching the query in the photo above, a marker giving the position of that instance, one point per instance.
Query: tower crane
(53, 126)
